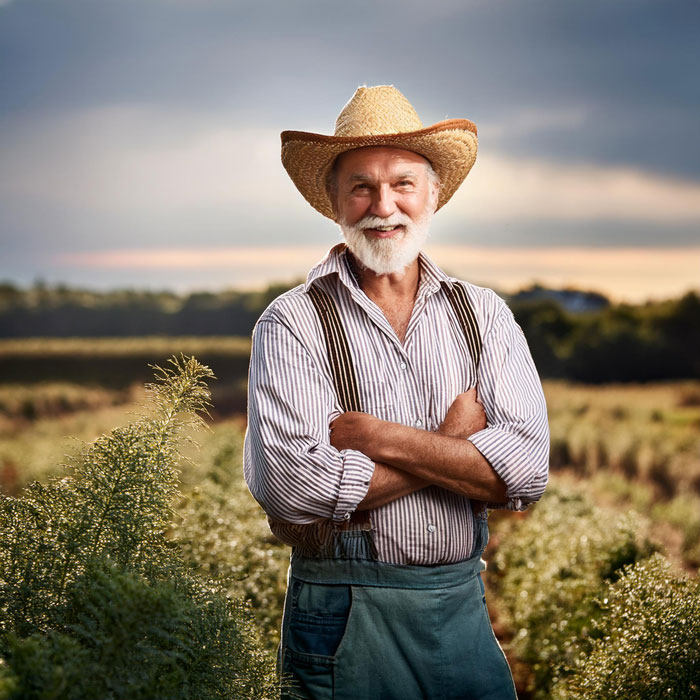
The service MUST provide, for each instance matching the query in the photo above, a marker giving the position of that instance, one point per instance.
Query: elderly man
(389, 406)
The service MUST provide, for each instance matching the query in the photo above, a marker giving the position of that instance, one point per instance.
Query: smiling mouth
(384, 231)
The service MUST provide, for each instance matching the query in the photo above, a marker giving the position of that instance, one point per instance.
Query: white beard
(386, 256)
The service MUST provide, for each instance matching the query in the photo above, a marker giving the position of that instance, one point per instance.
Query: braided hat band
(379, 116)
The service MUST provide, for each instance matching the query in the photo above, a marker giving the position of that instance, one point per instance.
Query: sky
(139, 139)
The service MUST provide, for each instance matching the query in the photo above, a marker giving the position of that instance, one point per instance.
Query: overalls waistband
(366, 572)
(362, 572)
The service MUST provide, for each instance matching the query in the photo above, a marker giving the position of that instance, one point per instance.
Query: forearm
(389, 483)
(450, 462)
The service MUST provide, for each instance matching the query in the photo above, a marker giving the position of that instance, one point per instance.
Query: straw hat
(379, 116)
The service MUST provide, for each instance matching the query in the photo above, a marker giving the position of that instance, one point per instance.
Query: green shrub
(126, 637)
(551, 568)
(95, 601)
(225, 532)
(649, 639)
(683, 513)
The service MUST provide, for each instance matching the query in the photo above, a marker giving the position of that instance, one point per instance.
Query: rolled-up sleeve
(516, 439)
(290, 466)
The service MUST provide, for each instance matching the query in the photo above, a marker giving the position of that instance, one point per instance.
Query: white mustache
(375, 221)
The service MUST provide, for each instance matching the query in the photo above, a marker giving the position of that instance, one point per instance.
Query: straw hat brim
(450, 146)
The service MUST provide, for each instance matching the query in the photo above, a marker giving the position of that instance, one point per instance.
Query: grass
(633, 446)
(33, 449)
(648, 433)
(51, 399)
(158, 346)
(676, 520)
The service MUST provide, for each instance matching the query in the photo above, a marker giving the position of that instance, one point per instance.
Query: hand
(354, 431)
(465, 416)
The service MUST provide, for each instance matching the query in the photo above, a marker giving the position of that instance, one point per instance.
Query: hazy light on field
(634, 274)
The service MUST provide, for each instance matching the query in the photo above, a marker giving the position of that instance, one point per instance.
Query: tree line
(609, 343)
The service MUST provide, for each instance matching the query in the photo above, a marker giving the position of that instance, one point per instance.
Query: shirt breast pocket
(378, 399)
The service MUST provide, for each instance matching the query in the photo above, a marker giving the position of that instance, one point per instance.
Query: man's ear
(332, 192)
(333, 197)
(436, 195)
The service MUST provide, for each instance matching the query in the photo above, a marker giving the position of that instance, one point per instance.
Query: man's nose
(383, 202)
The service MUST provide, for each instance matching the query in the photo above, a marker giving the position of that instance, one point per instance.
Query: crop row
(594, 611)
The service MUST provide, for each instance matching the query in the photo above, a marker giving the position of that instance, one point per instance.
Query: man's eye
(357, 188)
(405, 183)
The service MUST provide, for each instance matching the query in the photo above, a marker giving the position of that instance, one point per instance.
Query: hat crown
(377, 110)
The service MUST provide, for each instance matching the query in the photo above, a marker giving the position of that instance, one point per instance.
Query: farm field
(624, 492)
(627, 446)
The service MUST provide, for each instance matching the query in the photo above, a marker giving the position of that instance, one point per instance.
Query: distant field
(649, 432)
(119, 363)
(110, 347)
(615, 449)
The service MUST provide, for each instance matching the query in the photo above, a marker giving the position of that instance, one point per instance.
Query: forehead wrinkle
(406, 174)
(366, 176)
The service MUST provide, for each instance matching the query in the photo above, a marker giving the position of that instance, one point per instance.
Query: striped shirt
(298, 477)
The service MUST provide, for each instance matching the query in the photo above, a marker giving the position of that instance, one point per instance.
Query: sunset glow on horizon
(624, 274)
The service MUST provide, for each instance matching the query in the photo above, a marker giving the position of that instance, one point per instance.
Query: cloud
(628, 63)
(282, 257)
(506, 189)
(190, 268)
(530, 120)
(126, 158)
(133, 157)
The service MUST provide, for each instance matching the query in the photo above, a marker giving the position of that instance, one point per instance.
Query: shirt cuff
(504, 452)
(354, 484)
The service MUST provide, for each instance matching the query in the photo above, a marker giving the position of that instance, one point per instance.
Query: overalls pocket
(317, 624)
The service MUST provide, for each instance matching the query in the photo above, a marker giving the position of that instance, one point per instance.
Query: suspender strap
(338, 350)
(466, 317)
(343, 370)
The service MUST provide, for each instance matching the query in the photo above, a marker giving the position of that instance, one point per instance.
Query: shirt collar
(335, 262)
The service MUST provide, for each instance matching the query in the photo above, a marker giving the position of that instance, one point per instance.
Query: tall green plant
(95, 601)
(649, 639)
(551, 569)
(225, 532)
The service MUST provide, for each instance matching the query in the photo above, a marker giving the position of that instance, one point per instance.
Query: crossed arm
(408, 459)
(300, 473)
